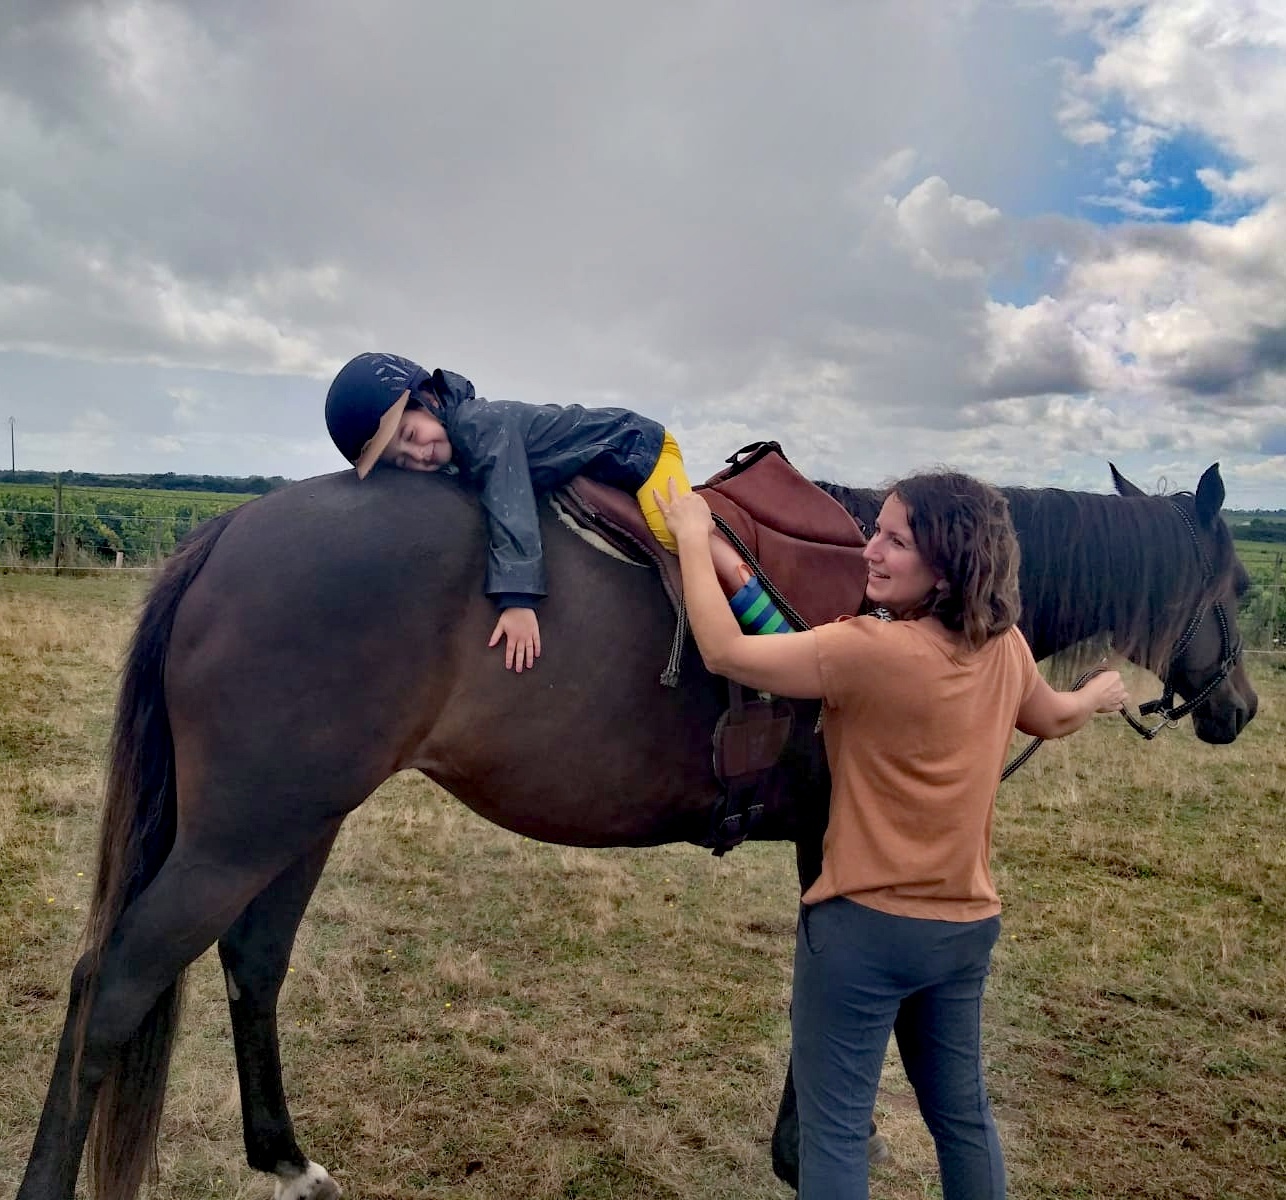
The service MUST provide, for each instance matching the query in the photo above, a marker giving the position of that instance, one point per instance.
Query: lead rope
(1035, 744)
(670, 676)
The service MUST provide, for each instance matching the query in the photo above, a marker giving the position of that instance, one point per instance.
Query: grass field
(470, 1014)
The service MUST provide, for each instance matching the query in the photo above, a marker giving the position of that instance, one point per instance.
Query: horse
(297, 651)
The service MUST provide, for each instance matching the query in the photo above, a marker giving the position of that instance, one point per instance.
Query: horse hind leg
(54, 1162)
(182, 912)
(255, 953)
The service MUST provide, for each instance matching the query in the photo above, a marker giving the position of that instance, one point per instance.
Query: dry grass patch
(471, 1014)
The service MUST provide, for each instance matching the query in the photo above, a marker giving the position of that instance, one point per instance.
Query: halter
(1229, 655)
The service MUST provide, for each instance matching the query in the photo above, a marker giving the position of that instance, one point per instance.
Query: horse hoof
(312, 1183)
(877, 1150)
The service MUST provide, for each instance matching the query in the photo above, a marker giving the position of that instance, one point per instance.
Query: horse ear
(1210, 495)
(1123, 486)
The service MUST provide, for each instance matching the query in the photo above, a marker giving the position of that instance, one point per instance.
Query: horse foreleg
(255, 953)
(785, 1135)
(808, 864)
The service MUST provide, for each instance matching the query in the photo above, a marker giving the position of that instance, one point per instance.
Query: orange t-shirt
(917, 729)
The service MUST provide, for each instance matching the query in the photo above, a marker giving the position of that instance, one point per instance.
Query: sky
(1023, 238)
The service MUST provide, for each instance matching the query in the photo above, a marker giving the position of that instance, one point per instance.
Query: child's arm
(521, 631)
(497, 464)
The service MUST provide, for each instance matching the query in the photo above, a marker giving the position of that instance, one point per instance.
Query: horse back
(338, 633)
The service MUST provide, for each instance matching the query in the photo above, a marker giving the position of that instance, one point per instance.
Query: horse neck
(862, 504)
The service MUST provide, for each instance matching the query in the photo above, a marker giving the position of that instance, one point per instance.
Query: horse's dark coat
(296, 653)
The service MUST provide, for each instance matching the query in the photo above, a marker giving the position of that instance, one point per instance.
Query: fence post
(58, 511)
(120, 559)
(1274, 629)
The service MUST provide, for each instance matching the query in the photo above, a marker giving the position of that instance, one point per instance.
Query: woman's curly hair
(963, 530)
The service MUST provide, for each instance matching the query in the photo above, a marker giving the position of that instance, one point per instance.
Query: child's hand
(684, 514)
(521, 631)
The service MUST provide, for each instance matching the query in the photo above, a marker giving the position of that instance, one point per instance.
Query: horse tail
(136, 835)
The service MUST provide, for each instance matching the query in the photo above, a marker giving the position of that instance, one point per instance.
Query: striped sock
(755, 611)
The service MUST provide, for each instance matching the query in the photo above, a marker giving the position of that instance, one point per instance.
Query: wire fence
(45, 512)
(84, 536)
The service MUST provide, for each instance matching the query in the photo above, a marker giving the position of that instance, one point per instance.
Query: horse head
(1203, 661)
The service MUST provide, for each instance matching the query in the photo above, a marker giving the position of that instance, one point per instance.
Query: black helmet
(365, 403)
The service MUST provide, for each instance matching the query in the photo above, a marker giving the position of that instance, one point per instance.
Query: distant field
(474, 1016)
(95, 524)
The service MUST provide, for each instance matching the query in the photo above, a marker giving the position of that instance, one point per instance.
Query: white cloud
(166, 445)
(1213, 67)
(1195, 313)
(846, 226)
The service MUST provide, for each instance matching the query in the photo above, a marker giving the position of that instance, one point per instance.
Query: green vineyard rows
(95, 525)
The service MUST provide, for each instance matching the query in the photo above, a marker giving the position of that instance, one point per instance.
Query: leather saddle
(793, 534)
(806, 550)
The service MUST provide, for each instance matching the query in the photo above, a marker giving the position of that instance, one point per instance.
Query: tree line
(1259, 530)
(168, 482)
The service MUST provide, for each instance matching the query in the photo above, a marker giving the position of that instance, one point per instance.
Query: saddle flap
(806, 541)
(751, 736)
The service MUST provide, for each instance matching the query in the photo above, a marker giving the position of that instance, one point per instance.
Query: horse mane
(1098, 570)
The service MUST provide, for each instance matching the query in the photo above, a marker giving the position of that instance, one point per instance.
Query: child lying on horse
(388, 409)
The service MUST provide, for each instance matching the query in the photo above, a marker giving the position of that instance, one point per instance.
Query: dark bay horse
(295, 653)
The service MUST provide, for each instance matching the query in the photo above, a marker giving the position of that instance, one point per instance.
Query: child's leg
(754, 610)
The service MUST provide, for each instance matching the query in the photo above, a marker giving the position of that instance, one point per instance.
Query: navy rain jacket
(513, 452)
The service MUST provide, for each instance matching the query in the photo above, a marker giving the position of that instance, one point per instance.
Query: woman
(896, 933)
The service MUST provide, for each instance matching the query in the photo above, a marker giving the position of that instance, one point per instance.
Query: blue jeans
(859, 975)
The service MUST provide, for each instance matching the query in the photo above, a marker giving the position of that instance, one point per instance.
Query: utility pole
(13, 461)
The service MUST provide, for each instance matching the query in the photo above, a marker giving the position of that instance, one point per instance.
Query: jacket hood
(451, 391)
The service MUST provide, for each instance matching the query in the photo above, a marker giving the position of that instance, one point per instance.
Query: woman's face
(897, 578)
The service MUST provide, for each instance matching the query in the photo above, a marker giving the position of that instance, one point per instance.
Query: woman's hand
(686, 515)
(1047, 713)
(521, 631)
(1108, 692)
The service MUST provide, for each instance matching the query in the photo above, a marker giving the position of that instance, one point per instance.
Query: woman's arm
(783, 663)
(1047, 713)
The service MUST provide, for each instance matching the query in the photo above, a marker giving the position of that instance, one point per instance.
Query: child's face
(420, 443)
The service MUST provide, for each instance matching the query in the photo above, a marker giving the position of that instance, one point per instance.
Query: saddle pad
(614, 515)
